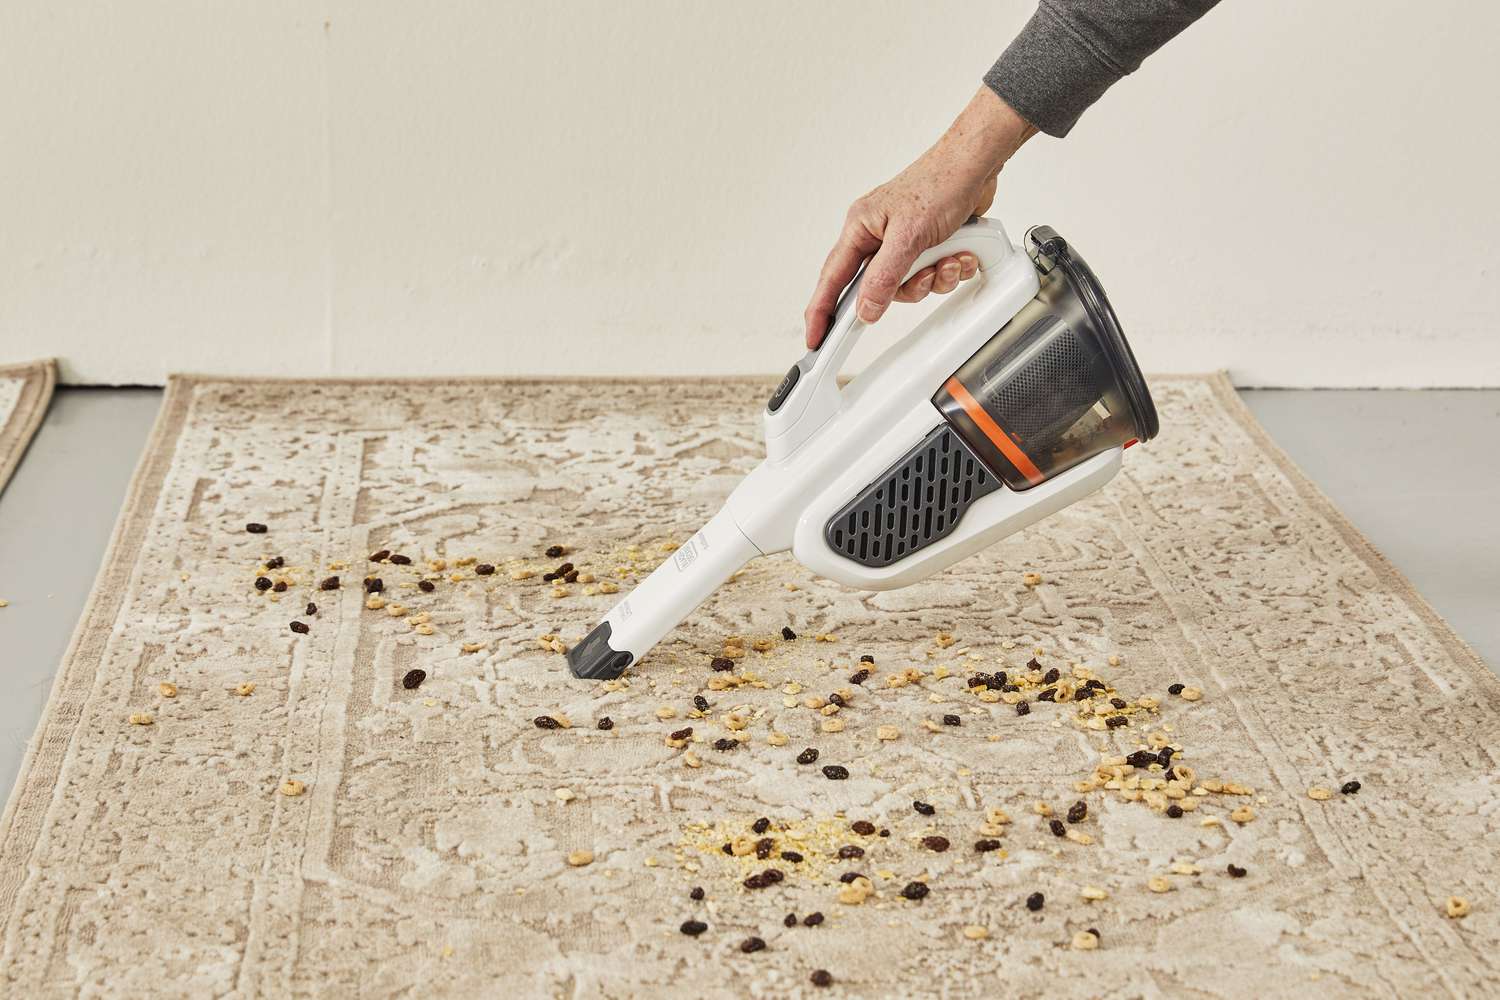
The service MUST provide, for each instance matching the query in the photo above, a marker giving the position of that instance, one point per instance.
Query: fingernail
(926, 283)
(950, 270)
(869, 312)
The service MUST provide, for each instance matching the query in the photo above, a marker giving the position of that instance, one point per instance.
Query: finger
(916, 287)
(948, 270)
(968, 266)
(884, 273)
(854, 244)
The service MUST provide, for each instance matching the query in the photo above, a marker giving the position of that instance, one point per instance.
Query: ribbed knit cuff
(1050, 75)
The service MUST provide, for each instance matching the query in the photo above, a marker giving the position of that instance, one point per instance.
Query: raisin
(1349, 787)
(401, 560)
(761, 825)
(986, 845)
(329, 583)
(1170, 774)
(722, 663)
(682, 734)
(1164, 758)
(821, 977)
(1115, 722)
(848, 877)
(300, 628)
(381, 556)
(851, 851)
(787, 633)
(426, 586)
(553, 551)
(915, 890)
(925, 808)
(725, 744)
(546, 722)
(1048, 695)
(863, 827)
(1023, 708)
(548, 577)
(1033, 664)
(700, 703)
(1077, 811)
(1057, 827)
(1235, 871)
(1175, 811)
(979, 681)
(1175, 688)
(311, 609)
(1094, 684)
(1083, 694)
(692, 928)
(605, 723)
(791, 856)
(935, 843)
(773, 875)
(867, 658)
(1118, 702)
(280, 587)
(727, 847)
(885, 833)
(755, 882)
(763, 848)
(859, 677)
(1000, 679)
(807, 756)
(790, 920)
(275, 563)
(255, 528)
(837, 699)
(835, 772)
(1051, 676)
(1141, 758)
(262, 583)
(563, 570)
(374, 584)
(571, 576)
(413, 679)
(1034, 901)
(483, 569)
(813, 919)
(952, 720)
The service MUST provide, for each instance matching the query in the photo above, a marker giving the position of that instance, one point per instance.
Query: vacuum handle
(809, 393)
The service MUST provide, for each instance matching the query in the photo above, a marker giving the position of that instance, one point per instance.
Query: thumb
(884, 273)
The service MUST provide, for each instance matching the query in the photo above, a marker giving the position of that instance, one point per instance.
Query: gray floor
(1411, 469)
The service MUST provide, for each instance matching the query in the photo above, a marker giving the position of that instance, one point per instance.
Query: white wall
(1300, 192)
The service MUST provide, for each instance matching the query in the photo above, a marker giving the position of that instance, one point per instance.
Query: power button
(788, 383)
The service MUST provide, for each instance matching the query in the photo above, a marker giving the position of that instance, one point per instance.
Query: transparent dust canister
(1057, 385)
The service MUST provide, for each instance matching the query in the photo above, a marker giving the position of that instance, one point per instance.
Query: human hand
(916, 210)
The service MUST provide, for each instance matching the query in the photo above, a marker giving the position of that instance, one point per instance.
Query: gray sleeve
(1071, 51)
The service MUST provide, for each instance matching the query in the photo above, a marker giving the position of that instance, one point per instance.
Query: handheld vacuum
(1013, 399)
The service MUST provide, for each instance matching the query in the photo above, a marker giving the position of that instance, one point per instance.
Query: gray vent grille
(914, 503)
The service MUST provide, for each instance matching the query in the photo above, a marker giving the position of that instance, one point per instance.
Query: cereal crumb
(1319, 793)
(292, 788)
(578, 859)
(565, 794)
(887, 733)
(974, 932)
(1085, 941)
(1032, 579)
(1456, 907)
(1093, 893)
(1191, 694)
(245, 689)
(167, 689)
(1242, 815)
(141, 719)
(1159, 883)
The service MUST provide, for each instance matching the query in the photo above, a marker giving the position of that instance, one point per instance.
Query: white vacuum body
(1013, 399)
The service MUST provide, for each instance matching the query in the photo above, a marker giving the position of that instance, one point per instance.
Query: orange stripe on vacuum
(992, 430)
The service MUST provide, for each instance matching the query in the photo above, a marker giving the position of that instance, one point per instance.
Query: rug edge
(16, 436)
(142, 493)
(1365, 550)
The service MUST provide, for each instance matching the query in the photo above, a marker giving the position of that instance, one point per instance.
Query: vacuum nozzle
(595, 659)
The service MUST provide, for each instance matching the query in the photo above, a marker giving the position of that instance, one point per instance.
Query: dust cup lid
(1049, 250)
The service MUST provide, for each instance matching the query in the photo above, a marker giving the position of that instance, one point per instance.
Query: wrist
(985, 135)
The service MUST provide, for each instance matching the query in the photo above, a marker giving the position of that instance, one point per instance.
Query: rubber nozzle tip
(595, 660)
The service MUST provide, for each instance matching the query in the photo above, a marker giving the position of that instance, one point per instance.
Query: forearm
(1072, 51)
(984, 135)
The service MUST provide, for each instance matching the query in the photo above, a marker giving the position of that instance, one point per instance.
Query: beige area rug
(25, 391)
(428, 852)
